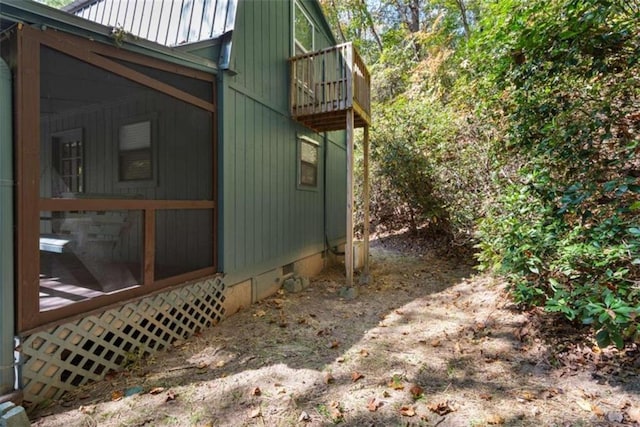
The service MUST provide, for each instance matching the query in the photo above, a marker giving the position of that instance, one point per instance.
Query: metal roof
(167, 22)
(33, 13)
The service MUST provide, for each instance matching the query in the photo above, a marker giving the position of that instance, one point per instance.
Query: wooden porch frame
(28, 202)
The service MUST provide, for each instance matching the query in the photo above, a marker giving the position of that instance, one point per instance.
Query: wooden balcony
(326, 84)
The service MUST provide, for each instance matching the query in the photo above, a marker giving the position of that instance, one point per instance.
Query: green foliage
(56, 3)
(563, 81)
(515, 124)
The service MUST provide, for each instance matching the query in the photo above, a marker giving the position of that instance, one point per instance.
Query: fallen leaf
(88, 410)
(328, 378)
(396, 383)
(552, 392)
(117, 395)
(355, 376)
(256, 391)
(335, 411)
(304, 417)
(416, 391)
(597, 410)
(255, 413)
(527, 395)
(171, 396)
(156, 390)
(584, 405)
(373, 404)
(634, 413)
(440, 408)
(407, 411)
(495, 420)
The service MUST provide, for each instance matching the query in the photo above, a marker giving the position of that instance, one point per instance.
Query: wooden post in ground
(348, 250)
(365, 277)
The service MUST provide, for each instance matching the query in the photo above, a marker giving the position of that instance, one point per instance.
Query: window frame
(57, 139)
(152, 181)
(297, 6)
(300, 140)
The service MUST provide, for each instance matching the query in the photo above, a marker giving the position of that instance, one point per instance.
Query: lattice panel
(69, 355)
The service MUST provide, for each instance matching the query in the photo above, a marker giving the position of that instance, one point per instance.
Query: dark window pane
(136, 165)
(308, 163)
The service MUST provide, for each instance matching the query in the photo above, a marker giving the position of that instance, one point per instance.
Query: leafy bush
(565, 87)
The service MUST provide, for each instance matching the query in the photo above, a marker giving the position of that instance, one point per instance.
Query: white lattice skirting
(66, 356)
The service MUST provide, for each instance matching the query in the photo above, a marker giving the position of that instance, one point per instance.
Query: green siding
(266, 220)
(336, 188)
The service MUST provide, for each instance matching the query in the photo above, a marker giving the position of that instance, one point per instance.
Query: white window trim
(299, 184)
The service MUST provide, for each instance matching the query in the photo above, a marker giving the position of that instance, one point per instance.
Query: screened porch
(116, 155)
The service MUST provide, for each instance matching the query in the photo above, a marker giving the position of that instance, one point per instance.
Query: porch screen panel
(183, 241)
(140, 155)
(87, 254)
(105, 107)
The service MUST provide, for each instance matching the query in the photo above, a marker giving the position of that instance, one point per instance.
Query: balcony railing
(327, 83)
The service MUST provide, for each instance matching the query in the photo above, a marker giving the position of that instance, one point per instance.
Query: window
(135, 156)
(302, 31)
(308, 169)
(68, 161)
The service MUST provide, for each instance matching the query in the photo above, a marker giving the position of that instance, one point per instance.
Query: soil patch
(429, 342)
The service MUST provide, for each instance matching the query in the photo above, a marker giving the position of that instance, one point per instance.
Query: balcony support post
(348, 251)
(365, 276)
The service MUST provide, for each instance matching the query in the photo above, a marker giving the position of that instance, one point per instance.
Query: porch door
(68, 162)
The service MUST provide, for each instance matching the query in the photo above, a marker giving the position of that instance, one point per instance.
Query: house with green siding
(163, 165)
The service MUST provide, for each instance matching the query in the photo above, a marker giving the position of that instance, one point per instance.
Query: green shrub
(566, 227)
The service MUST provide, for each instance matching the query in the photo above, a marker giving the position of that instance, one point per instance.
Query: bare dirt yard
(428, 343)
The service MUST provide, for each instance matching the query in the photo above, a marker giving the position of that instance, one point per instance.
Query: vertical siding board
(250, 167)
(272, 190)
(238, 168)
(229, 189)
